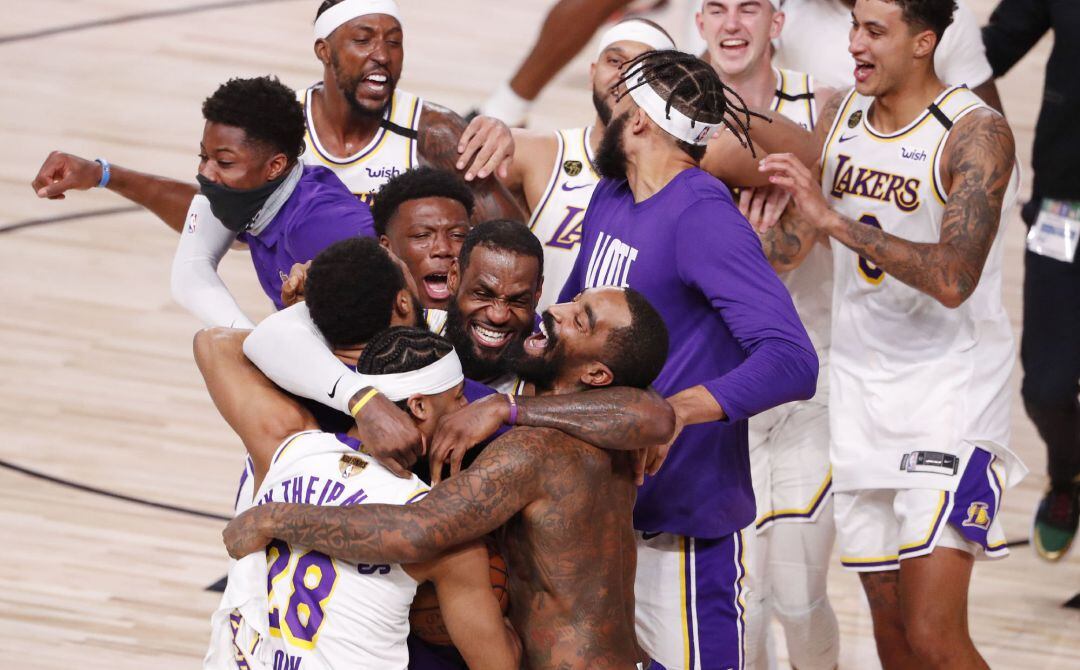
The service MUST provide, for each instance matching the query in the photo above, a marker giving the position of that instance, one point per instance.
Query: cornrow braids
(402, 349)
(691, 86)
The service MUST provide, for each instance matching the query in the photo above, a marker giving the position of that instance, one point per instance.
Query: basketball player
(253, 188)
(789, 444)
(661, 225)
(915, 177)
(554, 172)
(324, 613)
(359, 125)
(816, 46)
(422, 217)
(566, 505)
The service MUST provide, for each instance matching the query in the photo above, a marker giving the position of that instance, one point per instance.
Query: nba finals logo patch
(572, 168)
(351, 465)
(978, 515)
(854, 119)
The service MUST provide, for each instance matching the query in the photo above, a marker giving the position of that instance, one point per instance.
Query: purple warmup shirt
(732, 329)
(319, 212)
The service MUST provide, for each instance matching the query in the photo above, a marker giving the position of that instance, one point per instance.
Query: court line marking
(88, 214)
(131, 18)
(111, 494)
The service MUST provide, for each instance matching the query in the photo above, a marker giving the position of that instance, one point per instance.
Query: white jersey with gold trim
(810, 284)
(387, 155)
(556, 219)
(325, 612)
(914, 386)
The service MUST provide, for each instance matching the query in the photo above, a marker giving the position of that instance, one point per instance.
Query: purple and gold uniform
(734, 330)
(319, 212)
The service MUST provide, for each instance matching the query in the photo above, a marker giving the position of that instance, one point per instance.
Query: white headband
(674, 122)
(346, 11)
(634, 30)
(442, 375)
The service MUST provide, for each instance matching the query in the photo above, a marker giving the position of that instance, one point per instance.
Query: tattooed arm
(617, 418)
(789, 242)
(438, 146)
(977, 166)
(502, 481)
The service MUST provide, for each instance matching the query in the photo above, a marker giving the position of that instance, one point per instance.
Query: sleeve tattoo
(467, 506)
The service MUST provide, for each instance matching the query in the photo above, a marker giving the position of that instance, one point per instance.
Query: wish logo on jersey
(875, 185)
(609, 263)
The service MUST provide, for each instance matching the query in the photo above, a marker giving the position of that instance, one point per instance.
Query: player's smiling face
(737, 33)
(427, 234)
(606, 71)
(493, 308)
(570, 346)
(364, 59)
(884, 46)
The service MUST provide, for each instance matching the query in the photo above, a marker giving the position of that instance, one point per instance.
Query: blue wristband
(106, 172)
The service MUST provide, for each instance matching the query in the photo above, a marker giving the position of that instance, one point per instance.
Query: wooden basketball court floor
(97, 383)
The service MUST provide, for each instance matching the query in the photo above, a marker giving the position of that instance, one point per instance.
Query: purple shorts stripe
(717, 609)
(978, 497)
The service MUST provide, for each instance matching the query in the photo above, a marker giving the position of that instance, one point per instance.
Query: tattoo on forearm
(465, 507)
(611, 418)
(440, 131)
(980, 165)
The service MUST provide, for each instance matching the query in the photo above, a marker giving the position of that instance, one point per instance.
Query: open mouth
(537, 343)
(863, 70)
(489, 337)
(734, 46)
(377, 83)
(436, 287)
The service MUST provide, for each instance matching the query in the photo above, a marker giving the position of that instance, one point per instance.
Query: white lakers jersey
(556, 219)
(907, 374)
(324, 612)
(388, 154)
(810, 284)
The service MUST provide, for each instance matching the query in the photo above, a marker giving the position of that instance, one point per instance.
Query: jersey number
(312, 582)
(868, 270)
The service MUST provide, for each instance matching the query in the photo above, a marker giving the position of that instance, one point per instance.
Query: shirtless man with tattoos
(914, 178)
(565, 508)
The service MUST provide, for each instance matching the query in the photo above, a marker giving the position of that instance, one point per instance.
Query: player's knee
(934, 641)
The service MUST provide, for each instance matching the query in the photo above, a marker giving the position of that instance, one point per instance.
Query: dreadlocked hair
(691, 86)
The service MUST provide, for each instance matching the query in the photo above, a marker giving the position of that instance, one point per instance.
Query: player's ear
(419, 407)
(453, 277)
(322, 51)
(596, 374)
(539, 291)
(777, 25)
(925, 43)
(639, 121)
(699, 21)
(276, 167)
(403, 305)
(384, 242)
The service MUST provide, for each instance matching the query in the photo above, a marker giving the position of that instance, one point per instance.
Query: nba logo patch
(351, 465)
(978, 515)
(572, 168)
(854, 119)
(703, 134)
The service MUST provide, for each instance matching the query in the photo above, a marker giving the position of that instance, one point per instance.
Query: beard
(611, 156)
(472, 364)
(602, 109)
(540, 371)
(348, 85)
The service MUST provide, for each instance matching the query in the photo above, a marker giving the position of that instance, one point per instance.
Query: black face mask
(237, 207)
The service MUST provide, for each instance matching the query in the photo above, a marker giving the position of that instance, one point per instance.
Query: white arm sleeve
(291, 351)
(196, 285)
(961, 56)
